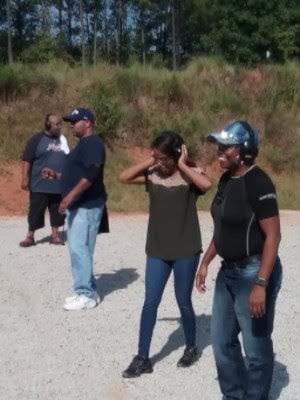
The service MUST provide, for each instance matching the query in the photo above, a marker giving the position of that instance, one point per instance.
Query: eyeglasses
(163, 160)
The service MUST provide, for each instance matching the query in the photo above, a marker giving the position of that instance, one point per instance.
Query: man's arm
(81, 186)
(26, 166)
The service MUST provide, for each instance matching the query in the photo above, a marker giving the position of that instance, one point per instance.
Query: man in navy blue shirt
(83, 201)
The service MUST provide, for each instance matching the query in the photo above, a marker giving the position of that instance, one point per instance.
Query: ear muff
(178, 142)
(47, 122)
(248, 149)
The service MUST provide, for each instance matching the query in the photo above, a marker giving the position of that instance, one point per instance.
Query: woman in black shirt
(246, 236)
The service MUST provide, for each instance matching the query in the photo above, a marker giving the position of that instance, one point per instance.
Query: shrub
(108, 113)
(283, 88)
(13, 81)
(225, 99)
(42, 50)
(17, 81)
(172, 90)
(274, 156)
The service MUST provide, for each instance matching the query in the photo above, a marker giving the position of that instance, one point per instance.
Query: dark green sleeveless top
(173, 229)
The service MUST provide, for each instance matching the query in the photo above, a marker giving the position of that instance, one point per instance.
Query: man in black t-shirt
(47, 149)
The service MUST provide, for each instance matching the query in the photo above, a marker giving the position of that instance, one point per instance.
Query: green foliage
(173, 90)
(275, 157)
(244, 32)
(223, 98)
(108, 113)
(136, 119)
(122, 198)
(42, 50)
(135, 81)
(13, 81)
(127, 31)
(295, 157)
(283, 88)
(132, 105)
(17, 80)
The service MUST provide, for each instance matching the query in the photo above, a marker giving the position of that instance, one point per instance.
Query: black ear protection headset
(177, 143)
(47, 122)
(248, 149)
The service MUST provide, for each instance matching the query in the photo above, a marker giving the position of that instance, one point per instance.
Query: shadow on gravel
(43, 240)
(120, 279)
(46, 239)
(280, 380)
(176, 339)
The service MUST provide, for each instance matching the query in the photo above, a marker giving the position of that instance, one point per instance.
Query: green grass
(134, 104)
(122, 198)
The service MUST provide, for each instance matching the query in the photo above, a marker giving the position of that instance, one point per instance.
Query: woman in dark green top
(173, 239)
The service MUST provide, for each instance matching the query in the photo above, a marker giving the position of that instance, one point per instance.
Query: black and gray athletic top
(43, 151)
(173, 228)
(239, 204)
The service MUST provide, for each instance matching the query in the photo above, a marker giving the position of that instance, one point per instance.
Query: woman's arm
(201, 274)
(135, 174)
(200, 180)
(257, 299)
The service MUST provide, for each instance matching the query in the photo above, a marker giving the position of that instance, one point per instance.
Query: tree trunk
(95, 40)
(60, 18)
(143, 46)
(9, 35)
(174, 37)
(118, 31)
(82, 35)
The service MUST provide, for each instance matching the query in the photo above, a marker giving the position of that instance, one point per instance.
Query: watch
(261, 281)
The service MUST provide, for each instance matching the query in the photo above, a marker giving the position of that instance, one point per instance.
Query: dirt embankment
(13, 200)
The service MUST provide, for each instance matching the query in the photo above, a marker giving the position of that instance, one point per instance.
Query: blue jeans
(157, 275)
(83, 224)
(230, 317)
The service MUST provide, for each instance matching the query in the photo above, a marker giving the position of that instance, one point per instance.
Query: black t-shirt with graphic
(239, 204)
(43, 151)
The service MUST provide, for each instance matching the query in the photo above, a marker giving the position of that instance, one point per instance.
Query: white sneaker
(70, 299)
(80, 302)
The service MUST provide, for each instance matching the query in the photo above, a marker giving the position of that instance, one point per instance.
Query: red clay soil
(13, 200)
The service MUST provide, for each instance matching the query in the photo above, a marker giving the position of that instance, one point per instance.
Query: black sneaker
(189, 357)
(139, 365)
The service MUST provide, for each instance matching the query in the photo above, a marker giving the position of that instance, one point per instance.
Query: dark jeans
(38, 203)
(230, 317)
(157, 275)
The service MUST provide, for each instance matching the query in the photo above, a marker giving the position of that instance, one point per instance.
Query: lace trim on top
(177, 179)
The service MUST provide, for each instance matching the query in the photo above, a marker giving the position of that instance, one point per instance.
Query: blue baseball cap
(238, 133)
(80, 114)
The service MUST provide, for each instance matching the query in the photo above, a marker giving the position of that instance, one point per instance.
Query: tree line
(165, 33)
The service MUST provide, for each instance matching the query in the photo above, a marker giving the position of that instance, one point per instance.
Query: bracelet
(261, 281)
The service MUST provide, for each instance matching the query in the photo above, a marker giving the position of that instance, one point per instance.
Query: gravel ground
(48, 353)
